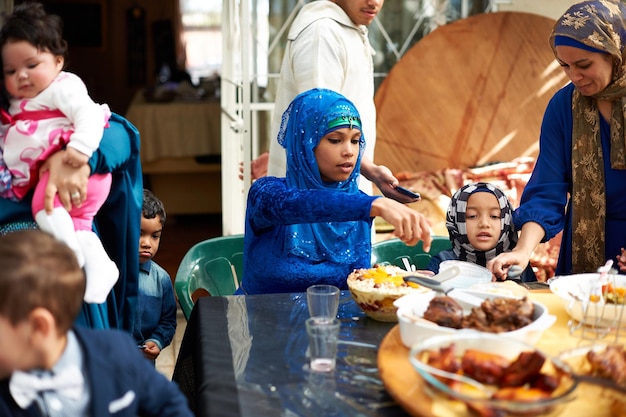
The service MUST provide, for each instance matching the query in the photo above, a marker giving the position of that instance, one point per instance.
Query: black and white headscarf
(455, 222)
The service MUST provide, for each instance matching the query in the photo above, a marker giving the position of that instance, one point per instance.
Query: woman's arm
(115, 151)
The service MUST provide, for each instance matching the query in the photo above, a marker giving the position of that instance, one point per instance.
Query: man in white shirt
(328, 47)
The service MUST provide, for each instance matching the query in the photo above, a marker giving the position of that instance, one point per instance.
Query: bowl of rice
(375, 290)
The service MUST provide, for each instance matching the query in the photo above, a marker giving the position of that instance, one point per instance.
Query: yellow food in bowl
(375, 290)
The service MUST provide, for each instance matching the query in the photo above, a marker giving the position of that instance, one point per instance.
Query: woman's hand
(258, 167)
(409, 225)
(621, 260)
(74, 158)
(69, 183)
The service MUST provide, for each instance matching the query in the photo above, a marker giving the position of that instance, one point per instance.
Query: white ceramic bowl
(470, 274)
(574, 291)
(491, 344)
(415, 329)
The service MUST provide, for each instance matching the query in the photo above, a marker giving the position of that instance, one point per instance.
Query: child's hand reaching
(621, 261)
(151, 350)
(409, 225)
(74, 158)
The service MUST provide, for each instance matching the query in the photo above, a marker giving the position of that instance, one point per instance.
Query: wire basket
(599, 308)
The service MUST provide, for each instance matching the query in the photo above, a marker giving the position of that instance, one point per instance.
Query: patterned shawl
(309, 117)
(599, 24)
(455, 222)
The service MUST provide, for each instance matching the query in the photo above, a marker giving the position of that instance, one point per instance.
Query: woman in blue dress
(314, 225)
(578, 184)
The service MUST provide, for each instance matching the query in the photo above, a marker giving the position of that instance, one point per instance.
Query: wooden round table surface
(401, 381)
(472, 91)
(408, 389)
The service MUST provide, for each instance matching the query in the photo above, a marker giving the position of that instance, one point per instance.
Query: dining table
(246, 356)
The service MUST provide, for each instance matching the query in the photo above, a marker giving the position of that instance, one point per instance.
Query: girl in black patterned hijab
(479, 221)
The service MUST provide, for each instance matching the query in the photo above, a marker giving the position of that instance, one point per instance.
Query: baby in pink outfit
(50, 110)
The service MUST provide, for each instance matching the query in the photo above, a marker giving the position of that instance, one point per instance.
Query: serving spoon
(446, 289)
(430, 371)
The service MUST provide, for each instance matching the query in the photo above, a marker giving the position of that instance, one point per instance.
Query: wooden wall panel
(471, 92)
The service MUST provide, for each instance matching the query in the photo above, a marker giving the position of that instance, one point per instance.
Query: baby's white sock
(60, 225)
(100, 270)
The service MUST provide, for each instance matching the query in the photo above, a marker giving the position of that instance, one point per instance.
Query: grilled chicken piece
(609, 363)
(521, 394)
(445, 311)
(523, 370)
(500, 315)
(445, 359)
(484, 367)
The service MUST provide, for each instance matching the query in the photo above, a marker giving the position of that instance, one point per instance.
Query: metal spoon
(514, 273)
(445, 289)
(430, 372)
(447, 274)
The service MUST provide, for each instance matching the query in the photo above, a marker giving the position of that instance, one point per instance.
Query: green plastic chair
(211, 267)
(392, 252)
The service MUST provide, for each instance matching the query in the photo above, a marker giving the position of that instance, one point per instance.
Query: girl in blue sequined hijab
(310, 116)
(314, 225)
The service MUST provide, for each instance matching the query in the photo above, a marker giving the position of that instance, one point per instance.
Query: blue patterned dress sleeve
(272, 206)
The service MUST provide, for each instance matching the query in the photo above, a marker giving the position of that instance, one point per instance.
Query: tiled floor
(167, 359)
(179, 234)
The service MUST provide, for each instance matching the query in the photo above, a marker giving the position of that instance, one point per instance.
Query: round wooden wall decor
(471, 92)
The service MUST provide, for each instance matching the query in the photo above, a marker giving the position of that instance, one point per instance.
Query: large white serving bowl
(574, 291)
(414, 328)
(470, 274)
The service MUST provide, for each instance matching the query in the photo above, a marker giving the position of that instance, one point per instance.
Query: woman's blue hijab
(309, 117)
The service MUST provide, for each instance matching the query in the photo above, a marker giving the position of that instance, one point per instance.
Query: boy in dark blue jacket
(48, 365)
(155, 315)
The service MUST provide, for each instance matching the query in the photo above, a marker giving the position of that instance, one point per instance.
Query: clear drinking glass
(322, 300)
(323, 336)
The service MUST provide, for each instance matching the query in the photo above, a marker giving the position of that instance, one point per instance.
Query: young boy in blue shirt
(155, 318)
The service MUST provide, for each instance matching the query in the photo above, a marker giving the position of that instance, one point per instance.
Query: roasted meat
(521, 380)
(523, 369)
(494, 315)
(445, 311)
(500, 315)
(521, 394)
(609, 363)
(484, 367)
(445, 359)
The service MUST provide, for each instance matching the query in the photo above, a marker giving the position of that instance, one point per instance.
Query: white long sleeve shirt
(325, 49)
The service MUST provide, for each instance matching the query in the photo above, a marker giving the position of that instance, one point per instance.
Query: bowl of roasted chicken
(492, 375)
(375, 290)
(421, 316)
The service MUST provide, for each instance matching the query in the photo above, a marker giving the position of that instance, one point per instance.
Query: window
(202, 37)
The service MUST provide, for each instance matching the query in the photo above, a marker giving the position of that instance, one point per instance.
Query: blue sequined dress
(272, 206)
